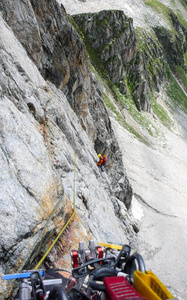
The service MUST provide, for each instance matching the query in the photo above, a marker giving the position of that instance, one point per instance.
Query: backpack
(104, 160)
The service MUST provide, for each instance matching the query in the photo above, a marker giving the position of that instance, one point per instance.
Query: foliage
(150, 46)
(182, 75)
(185, 58)
(184, 3)
(175, 92)
(122, 120)
(161, 113)
(165, 12)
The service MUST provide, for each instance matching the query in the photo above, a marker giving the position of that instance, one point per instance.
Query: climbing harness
(108, 272)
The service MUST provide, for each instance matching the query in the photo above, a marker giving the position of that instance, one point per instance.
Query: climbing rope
(42, 259)
(11, 284)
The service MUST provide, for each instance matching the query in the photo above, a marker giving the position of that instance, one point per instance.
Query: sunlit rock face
(53, 125)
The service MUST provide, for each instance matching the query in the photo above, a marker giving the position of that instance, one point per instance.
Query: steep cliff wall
(112, 36)
(114, 41)
(51, 107)
(154, 194)
(135, 60)
(64, 62)
(43, 124)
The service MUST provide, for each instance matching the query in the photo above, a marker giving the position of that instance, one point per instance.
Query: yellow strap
(42, 259)
(112, 246)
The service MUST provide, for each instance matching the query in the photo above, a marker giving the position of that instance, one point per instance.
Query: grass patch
(182, 75)
(122, 121)
(184, 3)
(161, 113)
(128, 103)
(165, 11)
(121, 102)
(174, 91)
(160, 8)
(181, 18)
(139, 117)
(185, 58)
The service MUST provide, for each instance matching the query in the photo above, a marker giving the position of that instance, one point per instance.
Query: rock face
(51, 107)
(20, 17)
(148, 70)
(31, 187)
(113, 40)
(67, 66)
(134, 61)
(174, 45)
(112, 36)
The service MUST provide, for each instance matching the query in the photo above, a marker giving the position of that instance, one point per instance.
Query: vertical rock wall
(112, 36)
(51, 107)
(64, 62)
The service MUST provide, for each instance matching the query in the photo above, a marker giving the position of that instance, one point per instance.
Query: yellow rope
(42, 259)
(11, 283)
(112, 246)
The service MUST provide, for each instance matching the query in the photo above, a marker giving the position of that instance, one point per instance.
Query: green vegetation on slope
(141, 118)
(122, 120)
(175, 92)
(165, 11)
(185, 58)
(161, 113)
(152, 48)
(184, 3)
(180, 71)
(161, 9)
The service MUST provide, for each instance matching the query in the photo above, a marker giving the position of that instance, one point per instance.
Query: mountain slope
(53, 104)
(145, 13)
(157, 167)
(41, 131)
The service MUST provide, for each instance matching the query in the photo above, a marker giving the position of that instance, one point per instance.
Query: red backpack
(104, 160)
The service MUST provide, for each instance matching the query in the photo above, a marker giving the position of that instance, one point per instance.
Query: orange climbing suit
(101, 161)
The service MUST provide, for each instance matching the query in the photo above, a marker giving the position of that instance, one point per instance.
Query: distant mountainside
(145, 13)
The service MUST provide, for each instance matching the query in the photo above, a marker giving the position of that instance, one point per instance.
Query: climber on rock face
(102, 161)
